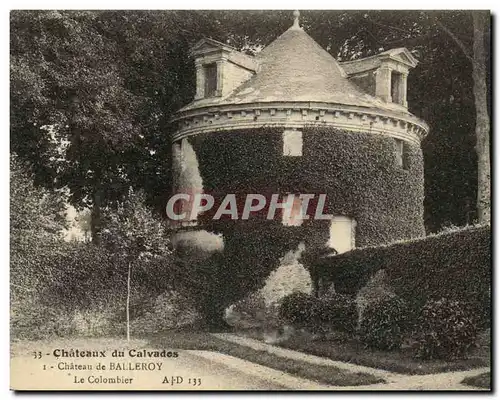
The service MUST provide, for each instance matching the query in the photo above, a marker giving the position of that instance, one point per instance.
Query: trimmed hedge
(456, 266)
(63, 288)
(335, 312)
(298, 309)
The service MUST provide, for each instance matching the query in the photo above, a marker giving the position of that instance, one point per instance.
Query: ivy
(357, 171)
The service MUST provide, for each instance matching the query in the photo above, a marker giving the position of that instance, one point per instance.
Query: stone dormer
(293, 83)
(383, 75)
(220, 68)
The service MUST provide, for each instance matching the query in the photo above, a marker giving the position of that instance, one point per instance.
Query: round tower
(293, 120)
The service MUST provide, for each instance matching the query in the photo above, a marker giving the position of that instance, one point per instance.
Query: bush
(298, 309)
(384, 324)
(337, 312)
(248, 312)
(170, 310)
(446, 330)
(98, 321)
(30, 319)
(456, 266)
(79, 288)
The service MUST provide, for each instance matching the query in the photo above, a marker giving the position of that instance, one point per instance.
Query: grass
(350, 350)
(203, 341)
(481, 381)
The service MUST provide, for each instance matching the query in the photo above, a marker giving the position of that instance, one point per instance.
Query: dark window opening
(402, 154)
(210, 80)
(397, 96)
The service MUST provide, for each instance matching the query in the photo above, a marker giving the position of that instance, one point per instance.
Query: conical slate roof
(295, 68)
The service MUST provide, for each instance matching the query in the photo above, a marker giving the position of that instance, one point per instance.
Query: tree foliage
(132, 229)
(36, 224)
(35, 213)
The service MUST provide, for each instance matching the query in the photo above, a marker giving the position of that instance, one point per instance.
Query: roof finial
(296, 15)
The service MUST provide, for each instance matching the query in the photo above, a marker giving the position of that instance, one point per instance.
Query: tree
(34, 212)
(479, 63)
(36, 225)
(479, 74)
(92, 94)
(83, 223)
(81, 118)
(449, 107)
(135, 235)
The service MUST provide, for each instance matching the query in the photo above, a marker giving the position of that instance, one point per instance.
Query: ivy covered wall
(357, 171)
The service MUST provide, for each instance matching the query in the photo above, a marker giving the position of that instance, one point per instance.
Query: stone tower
(293, 120)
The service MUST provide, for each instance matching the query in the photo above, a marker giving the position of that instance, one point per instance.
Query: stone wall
(289, 277)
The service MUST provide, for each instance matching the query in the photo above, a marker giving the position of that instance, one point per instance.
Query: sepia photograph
(250, 200)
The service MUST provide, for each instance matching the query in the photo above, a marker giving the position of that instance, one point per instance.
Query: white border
(157, 4)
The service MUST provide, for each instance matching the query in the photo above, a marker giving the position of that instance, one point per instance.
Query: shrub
(384, 324)
(298, 309)
(97, 322)
(170, 310)
(446, 330)
(254, 312)
(454, 265)
(248, 312)
(78, 288)
(30, 319)
(337, 312)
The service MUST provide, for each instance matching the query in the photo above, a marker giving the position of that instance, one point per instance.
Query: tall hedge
(357, 171)
(455, 265)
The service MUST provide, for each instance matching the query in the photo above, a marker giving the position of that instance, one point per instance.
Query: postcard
(255, 200)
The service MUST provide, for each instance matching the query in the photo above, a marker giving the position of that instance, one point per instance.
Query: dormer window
(383, 75)
(220, 68)
(210, 71)
(398, 88)
(395, 79)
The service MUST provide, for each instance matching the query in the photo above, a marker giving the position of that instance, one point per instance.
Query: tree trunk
(128, 300)
(481, 25)
(95, 216)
